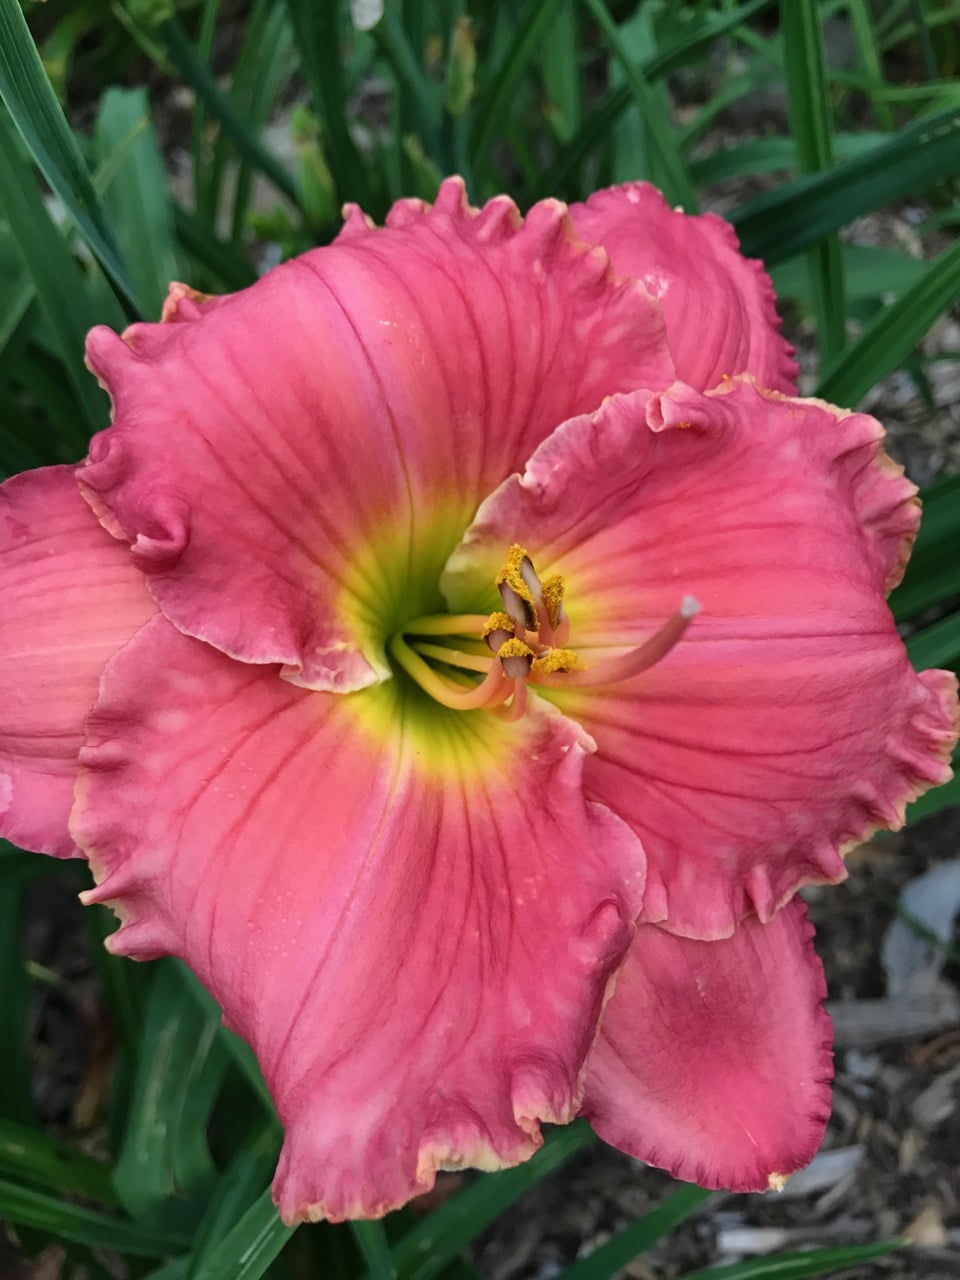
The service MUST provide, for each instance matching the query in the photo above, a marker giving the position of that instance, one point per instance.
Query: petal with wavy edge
(788, 721)
(292, 464)
(71, 598)
(719, 306)
(714, 1059)
(413, 918)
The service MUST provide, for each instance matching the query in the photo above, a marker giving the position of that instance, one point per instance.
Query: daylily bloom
(459, 649)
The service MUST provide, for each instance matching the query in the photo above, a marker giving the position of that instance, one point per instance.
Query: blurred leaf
(425, 1250)
(622, 1248)
(940, 797)
(497, 95)
(797, 1266)
(240, 1185)
(894, 332)
(34, 108)
(28, 1208)
(27, 1154)
(371, 1240)
(60, 286)
(937, 645)
(317, 37)
(671, 173)
(767, 155)
(181, 1066)
(783, 222)
(561, 70)
(138, 195)
(249, 1248)
(869, 272)
(812, 130)
(199, 76)
(932, 573)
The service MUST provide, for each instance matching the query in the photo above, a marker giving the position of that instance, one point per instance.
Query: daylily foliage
(458, 860)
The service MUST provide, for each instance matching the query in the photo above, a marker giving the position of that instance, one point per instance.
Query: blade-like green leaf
(138, 196)
(798, 1266)
(812, 130)
(670, 170)
(783, 222)
(937, 645)
(33, 106)
(940, 797)
(371, 1240)
(611, 1257)
(424, 1252)
(29, 1208)
(241, 1184)
(932, 574)
(30, 1155)
(181, 1066)
(869, 272)
(248, 1250)
(767, 155)
(60, 286)
(894, 332)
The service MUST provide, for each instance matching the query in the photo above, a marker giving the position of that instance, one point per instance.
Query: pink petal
(714, 1060)
(787, 723)
(293, 464)
(413, 918)
(71, 598)
(719, 307)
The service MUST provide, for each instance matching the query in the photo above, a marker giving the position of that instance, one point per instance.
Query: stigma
(524, 643)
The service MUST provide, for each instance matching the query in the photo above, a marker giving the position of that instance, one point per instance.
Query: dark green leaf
(798, 1266)
(27, 1154)
(611, 1257)
(248, 1250)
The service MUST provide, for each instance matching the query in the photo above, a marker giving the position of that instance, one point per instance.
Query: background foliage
(143, 140)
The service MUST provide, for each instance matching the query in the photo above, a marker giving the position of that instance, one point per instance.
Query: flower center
(522, 644)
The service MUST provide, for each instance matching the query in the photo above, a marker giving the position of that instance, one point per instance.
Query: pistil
(527, 641)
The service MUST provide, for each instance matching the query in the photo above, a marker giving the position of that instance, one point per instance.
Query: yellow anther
(514, 584)
(553, 588)
(499, 621)
(555, 662)
(514, 648)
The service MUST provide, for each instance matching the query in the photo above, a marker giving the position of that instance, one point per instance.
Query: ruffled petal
(412, 917)
(787, 723)
(292, 464)
(720, 307)
(714, 1059)
(71, 598)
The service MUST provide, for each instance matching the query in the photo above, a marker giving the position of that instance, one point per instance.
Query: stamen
(498, 629)
(447, 624)
(612, 670)
(490, 692)
(513, 583)
(518, 703)
(516, 658)
(453, 657)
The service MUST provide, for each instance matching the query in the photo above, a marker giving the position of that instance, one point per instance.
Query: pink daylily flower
(459, 861)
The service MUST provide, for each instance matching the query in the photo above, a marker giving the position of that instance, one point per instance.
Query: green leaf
(60, 286)
(495, 103)
(611, 1257)
(811, 127)
(199, 76)
(433, 1243)
(869, 272)
(767, 155)
(670, 170)
(181, 1066)
(28, 1208)
(894, 332)
(783, 222)
(241, 1184)
(798, 1266)
(247, 1251)
(932, 575)
(371, 1240)
(34, 108)
(940, 797)
(937, 645)
(138, 195)
(27, 1154)
(317, 34)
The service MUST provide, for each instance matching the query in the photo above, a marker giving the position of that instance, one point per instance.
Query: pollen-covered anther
(498, 629)
(519, 588)
(555, 662)
(516, 658)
